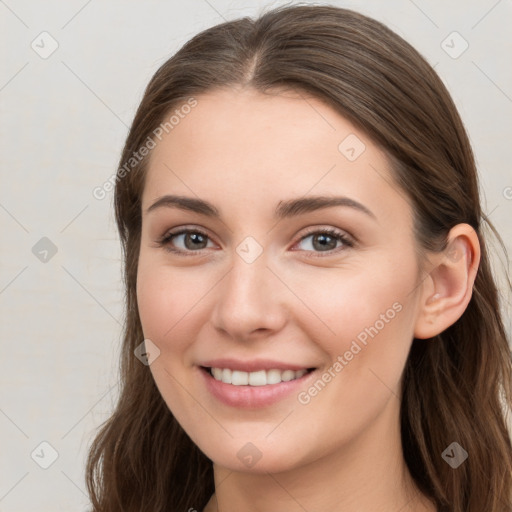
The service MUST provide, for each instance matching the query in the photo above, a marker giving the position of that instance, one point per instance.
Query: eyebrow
(284, 209)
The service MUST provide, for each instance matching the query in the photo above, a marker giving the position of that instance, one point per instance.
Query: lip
(253, 397)
(253, 365)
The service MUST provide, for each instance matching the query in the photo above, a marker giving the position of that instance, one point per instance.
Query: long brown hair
(456, 386)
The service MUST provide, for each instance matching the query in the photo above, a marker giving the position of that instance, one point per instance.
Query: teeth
(259, 378)
(226, 375)
(273, 376)
(239, 378)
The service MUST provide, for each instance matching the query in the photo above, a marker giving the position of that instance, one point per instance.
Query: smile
(256, 378)
(253, 387)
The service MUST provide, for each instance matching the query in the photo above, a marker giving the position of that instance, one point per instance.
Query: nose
(250, 301)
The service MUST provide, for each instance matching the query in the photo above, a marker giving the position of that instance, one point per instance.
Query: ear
(448, 287)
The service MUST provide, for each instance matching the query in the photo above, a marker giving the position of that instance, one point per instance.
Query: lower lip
(251, 397)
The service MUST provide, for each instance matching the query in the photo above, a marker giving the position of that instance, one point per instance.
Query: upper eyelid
(183, 230)
(310, 230)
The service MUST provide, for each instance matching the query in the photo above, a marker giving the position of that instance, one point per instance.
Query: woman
(308, 290)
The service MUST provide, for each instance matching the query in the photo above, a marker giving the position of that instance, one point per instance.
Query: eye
(191, 240)
(325, 241)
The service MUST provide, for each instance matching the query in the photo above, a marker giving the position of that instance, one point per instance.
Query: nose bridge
(249, 297)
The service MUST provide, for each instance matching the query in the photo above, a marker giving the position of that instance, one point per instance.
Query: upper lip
(253, 365)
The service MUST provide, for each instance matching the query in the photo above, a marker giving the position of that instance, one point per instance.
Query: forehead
(255, 148)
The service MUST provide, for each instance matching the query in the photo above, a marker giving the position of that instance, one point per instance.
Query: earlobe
(449, 286)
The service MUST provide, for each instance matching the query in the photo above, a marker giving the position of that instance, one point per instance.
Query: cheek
(167, 303)
(166, 299)
(163, 302)
(363, 319)
(343, 304)
(373, 325)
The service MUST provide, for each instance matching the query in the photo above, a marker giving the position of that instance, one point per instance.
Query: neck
(368, 473)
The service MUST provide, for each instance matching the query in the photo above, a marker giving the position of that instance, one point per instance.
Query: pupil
(322, 239)
(195, 237)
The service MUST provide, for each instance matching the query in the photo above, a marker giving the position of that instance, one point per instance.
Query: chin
(256, 457)
(262, 466)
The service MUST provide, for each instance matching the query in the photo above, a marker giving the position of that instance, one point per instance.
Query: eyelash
(164, 242)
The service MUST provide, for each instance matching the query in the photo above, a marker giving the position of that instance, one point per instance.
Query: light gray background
(64, 121)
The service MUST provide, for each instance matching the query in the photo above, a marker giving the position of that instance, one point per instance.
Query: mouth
(256, 378)
(254, 383)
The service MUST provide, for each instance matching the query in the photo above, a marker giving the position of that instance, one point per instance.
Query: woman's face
(268, 283)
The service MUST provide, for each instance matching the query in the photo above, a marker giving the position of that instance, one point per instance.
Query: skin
(244, 152)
